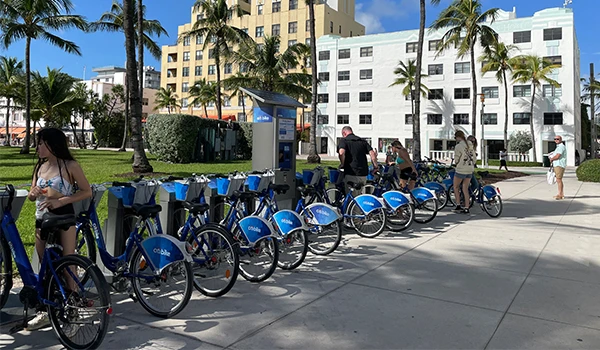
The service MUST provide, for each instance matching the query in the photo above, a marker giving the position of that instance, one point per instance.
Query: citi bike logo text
(254, 229)
(287, 221)
(369, 203)
(322, 212)
(396, 199)
(162, 252)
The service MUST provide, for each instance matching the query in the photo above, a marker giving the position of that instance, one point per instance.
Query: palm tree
(166, 98)
(417, 109)
(140, 161)
(53, 98)
(407, 77)
(533, 69)
(313, 156)
(466, 16)
(218, 34)
(233, 85)
(269, 70)
(497, 58)
(81, 92)
(203, 93)
(34, 19)
(11, 71)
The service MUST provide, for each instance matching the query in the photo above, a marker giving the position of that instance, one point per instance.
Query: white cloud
(372, 13)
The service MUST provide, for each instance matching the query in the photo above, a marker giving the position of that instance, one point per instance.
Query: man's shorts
(559, 172)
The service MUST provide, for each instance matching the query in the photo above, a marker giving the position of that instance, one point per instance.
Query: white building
(116, 75)
(357, 73)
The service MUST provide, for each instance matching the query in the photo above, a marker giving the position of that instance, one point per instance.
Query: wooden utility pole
(593, 113)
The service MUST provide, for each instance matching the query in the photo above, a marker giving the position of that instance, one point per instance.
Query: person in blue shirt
(559, 162)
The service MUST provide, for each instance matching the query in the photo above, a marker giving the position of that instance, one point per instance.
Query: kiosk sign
(263, 114)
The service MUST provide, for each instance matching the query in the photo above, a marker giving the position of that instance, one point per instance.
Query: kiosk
(274, 139)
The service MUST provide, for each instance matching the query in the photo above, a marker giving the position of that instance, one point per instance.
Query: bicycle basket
(334, 175)
(259, 183)
(186, 190)
(307, 176)
(226, 186)
(144, 192)
(17, 204)
(84, 205)
(317, 176)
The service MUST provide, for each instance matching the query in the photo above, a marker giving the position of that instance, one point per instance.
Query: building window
(186, 41)
(211, 69)
(366, 74)
(212, 39)
(408, 119)
(323, 98)
(411, 47)
(324, 76)
(211, 54)
(259, 9)
(276, 6)
(344, 53)
(330, 26)
(243, 67)
(343, 119)
(293, 4)
(434, 119)
(144, 102)
(292, 27)
(521, 118)
(241, 117)
(365, 119)
(343, 97)
(552, 91)
(275, 29)
(436, 94)
(366, 51)
(340, 29)
(435, 69)
(198, 70)
(226, 101)
(522, 37)
(199, 40)
(199, 16)
(557, 60)
(344, 75)
(184, 103)
(307, 41)
(323, 119)
(490, 92)
(490, 119)
(308, 25)
(199, 55)
(323, 55)
(462, 93)
(185, 72)
(260, 31)
(553, 118)
(462, 67)
(552, 34)
(227, 68)
(365, 96)
(292, 42)
(461, 119)
(434, 45)
(522, 91)
(186, 56)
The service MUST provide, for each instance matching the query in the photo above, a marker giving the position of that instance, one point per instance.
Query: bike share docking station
(274, 144)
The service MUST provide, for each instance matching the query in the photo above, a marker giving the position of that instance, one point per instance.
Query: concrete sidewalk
(529, 279)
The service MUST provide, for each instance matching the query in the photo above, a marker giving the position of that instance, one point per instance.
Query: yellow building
(184, 63)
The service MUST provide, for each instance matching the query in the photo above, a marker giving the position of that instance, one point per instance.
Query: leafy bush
(496, 162)
(244, 140)
(173, 137)
(520, 142)
(589, 171)
(108, 129)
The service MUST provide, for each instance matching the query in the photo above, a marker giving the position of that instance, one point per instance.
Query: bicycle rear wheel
(324, 240)
(292, 250)
(164, 295)
(492, 206)
(81, 319)
(5, 271)
(400, 219)
(426, 210)
(442, 198)
(370, 225)
(86, 243)
(257, 263)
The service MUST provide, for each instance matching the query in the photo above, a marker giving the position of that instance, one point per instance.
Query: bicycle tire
(452, 200)
(431, 208)
(380, 212)
(136, 264)
(497, 200)
(86, 243)
(274, 257)
(402, 223)
(6, 280)
(297, 236)
(215, 260)
(80, 302)
(314, 246)
(335, 196)
(442, 198)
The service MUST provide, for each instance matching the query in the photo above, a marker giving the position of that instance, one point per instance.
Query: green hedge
(589, 171)
(496, 162)
(173, 137)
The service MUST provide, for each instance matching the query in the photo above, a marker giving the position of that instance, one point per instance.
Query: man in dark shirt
(352, 151)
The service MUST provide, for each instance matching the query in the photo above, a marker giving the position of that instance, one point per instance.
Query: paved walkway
(527, 280)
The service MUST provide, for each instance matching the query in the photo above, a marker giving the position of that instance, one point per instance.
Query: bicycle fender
(287, 221)
(321, 214)
(395, 199)
(422, 194)
(435, 187)
(490, 191)
(368, 203)
(448, 183)
(255, 228)
(163, 250)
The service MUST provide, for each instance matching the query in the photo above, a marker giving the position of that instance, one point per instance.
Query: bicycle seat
(63, 222)
(145, 210)
(279, 188)
(244, 196)
(306, 190)
(196, 208)
(354, 185)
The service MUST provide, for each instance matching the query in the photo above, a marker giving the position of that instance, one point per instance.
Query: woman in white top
(464, 159)
(55, 177)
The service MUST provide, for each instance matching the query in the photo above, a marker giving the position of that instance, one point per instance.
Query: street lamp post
(483, 156)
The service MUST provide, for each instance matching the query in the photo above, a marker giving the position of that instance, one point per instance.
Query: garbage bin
(546, 161)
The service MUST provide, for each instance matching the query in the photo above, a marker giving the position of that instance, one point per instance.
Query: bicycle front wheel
(492, 206)
(324, 239)
(164, 295)
(258, 262)
(426, 210)
(216, 262)
(292, 250)
(366, 225)
(400, 219)
(81, 318)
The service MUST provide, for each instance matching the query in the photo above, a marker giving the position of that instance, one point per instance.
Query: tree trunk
(416, 143)
(474, 93)
(218, 67)
(74, 130)
(140, 47)
(140, 161)
(313, 155)
(505, 110)
(25, 149)
(205, 111)
(531, 126)
(83, 133)
(124, 142)
(7, 121)
(34, 133)
(243, 104)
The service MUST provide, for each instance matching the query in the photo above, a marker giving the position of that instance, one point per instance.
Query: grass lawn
(102, 166)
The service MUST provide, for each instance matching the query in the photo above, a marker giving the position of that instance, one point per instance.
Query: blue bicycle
(488, 197)
(71, 288)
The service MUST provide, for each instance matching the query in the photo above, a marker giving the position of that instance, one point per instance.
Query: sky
(106, 49)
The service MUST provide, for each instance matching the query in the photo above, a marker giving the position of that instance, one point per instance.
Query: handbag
(551, 176)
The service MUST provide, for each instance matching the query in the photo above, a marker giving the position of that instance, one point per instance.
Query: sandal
(559, 197)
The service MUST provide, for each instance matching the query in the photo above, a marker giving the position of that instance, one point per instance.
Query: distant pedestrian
(559, 162)
(503, 159)
(464, 157)
(353, 151)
